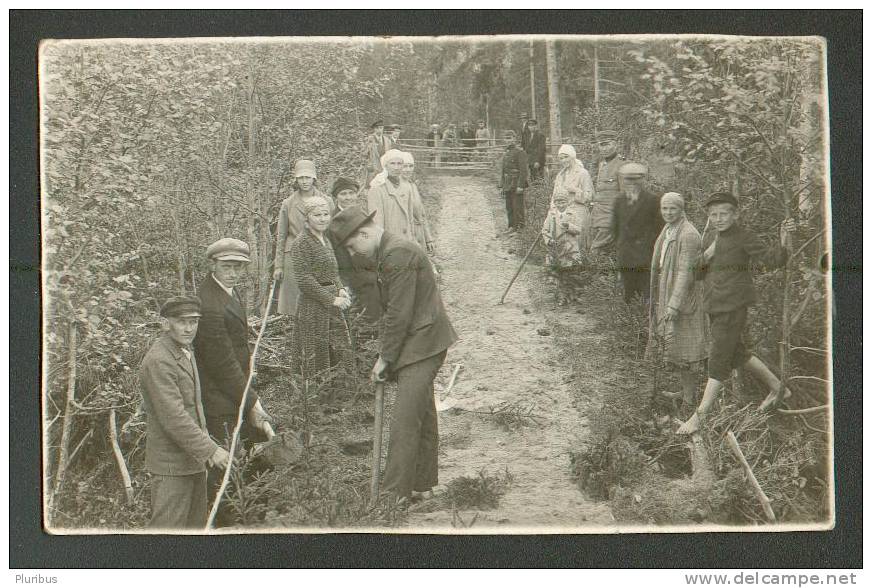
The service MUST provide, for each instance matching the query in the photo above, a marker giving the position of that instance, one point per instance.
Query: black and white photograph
(494, 284)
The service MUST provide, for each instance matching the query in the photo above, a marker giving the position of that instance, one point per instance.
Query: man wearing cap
(222, 350)
(606, 190)
(393, 132)
(513, 180)
(177, 447)
(728, 291)
(434, 138)
(533, 144)
(636, 224)
(414, 338)
(467, 140)
(376, 145)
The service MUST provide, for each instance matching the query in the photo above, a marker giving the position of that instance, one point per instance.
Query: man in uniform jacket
(414, 339)
(606, 191)
(513, 181)
(534, 146)
(636, 224)
(375, 146)
(177, 446)
(222, 351)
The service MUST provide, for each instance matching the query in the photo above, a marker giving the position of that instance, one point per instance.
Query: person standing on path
(393, 201)
(606, 191)
(728, 291)
(636, 223)
(574, 182)
(434, 139)
(321, 292)
(177, 445)
(467, 140)
(676, 318)
(482, 140)
(291, 223)
(534, 147)
(415, 336)
(376, 145)
(513, 181)
(422, 234)
(222, 352)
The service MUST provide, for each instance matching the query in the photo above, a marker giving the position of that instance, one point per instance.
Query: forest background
(153, 150)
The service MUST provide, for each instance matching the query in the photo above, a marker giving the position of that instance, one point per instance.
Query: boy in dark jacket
(513, 179)
(728, 291)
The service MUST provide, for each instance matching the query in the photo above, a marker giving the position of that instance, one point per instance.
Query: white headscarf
(567, 150)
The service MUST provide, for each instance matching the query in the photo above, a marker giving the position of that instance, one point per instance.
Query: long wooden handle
(758, 491)
(234, 440)
(377, 442)
(526, 257)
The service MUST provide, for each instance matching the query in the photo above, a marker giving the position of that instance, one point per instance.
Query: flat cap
(532, 121)
(346, 222)
(525, 115)
(378, 123)
(632, 169)
(228, 249)
(721, 198)
(606, 135)
(181, 307)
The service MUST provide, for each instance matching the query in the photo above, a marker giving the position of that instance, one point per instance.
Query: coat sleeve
(586, 187)
(399, 275)
(301, 258)
(770, 257)
(689, 250)
(374, 204)
(548, 228)
(216, 355)
(525, 171)
(160, 382)
(420, 213)
(281, 236)
(572, 219)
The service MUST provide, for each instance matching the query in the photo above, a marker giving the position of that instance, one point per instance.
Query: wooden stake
(119, 457)
(526, 257)
(377, 443)
(752, 479)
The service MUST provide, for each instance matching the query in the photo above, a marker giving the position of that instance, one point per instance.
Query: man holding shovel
(414, 338)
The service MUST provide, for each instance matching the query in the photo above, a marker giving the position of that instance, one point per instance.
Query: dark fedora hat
(346, 222)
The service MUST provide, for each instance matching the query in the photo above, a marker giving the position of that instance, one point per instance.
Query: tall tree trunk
(532, 83)
(596, 89)
(251, 188)
(553, 93)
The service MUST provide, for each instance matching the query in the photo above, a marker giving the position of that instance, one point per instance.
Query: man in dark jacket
(728, 291)
(222, 352)
(606, 191)
(636, 223)
(467, 140)
(513, 181)
(415, 336)
(534, 146)
(177, 446)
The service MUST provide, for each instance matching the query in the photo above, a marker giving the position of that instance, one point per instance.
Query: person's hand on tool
(257, 416)
(379, 370)
(277, 275)
(671, 314)
(220, 458)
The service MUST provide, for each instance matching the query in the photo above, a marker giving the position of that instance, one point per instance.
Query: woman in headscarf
(422, 227)
(393, 200)
(291, 224)
(677, 320)
(573, 181)
(322, 295)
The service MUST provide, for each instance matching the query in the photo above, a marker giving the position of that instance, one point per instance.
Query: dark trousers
(535, 173)
(413, 447)
(515, 208)
(221, 428)
(728, 349)
(636, 281)
(178, 502)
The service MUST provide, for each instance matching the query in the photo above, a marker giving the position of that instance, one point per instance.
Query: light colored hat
(567, 150)
(229, 249)
(408, 158)
(673, 198)
(391, 155)
(633, 170)
(305, 168)
(314, 203)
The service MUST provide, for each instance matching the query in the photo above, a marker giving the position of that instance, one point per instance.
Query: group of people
(463, 144)
(697, 288)
(332, 251)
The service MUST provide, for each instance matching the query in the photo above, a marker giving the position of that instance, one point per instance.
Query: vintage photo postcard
(452, 285)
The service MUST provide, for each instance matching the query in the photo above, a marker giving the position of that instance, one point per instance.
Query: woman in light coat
(677, 320)
(573, 181)
(394, 201)
(422, 227)
(291, 223)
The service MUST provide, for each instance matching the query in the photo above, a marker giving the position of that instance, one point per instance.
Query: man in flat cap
(376, 145)
(636, 223)
(414, 339)
(728, 292)
(533, 144)
(222, 350)
(177, 447)
(606, 190)
(514, 175)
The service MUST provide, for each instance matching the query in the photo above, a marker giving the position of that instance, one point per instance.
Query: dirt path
(505, 361)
